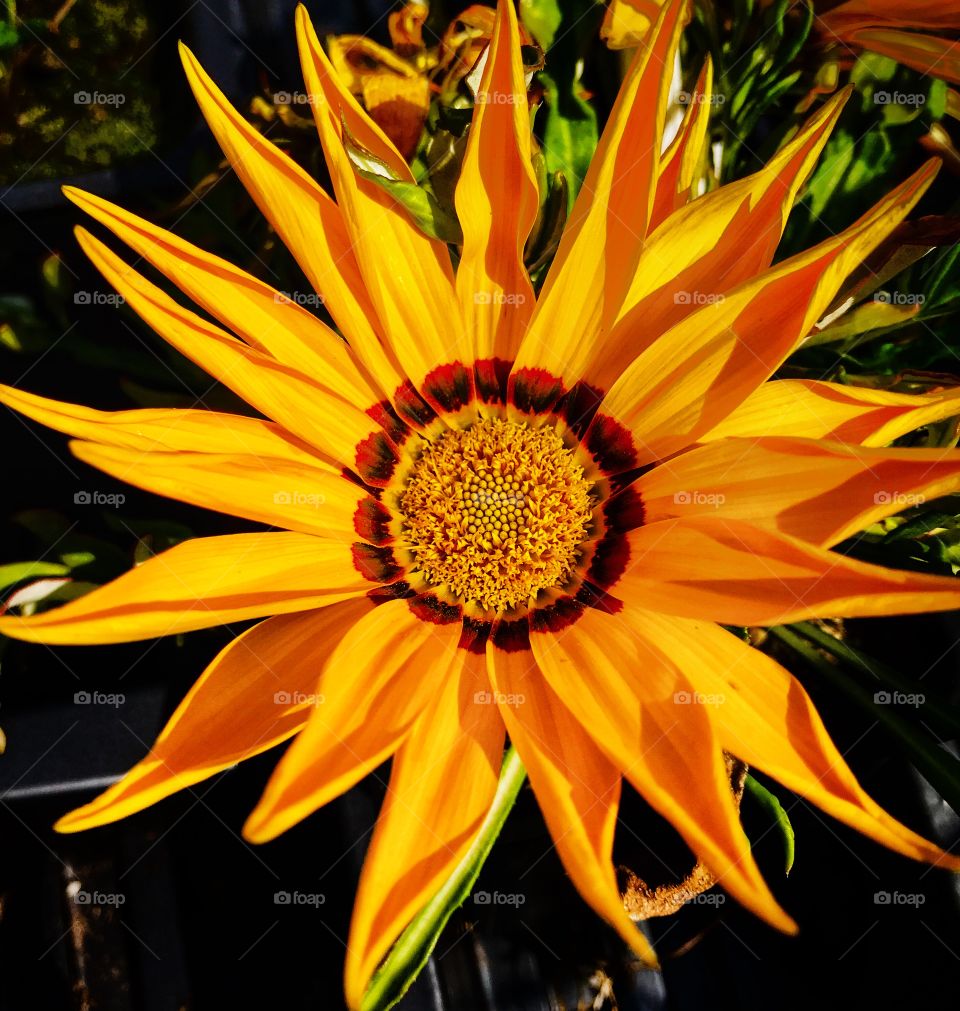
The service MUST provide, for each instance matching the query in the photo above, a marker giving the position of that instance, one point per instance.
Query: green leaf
(775, 810)
(421, 205)
(569, 133)
(409, 955)
(18, 572)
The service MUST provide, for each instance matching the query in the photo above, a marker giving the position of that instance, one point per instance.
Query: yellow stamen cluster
(496, 512)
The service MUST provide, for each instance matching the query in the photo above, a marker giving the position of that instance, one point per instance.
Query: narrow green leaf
(17, 572)
(772, 807)
(409, 955)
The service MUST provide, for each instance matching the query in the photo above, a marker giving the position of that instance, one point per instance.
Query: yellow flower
(501, 513)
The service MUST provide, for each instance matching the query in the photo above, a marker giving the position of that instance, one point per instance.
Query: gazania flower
(501, 513)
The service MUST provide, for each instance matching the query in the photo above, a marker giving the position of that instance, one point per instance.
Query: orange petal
(738, 574)
(697, 373)
(818, 410)
(577, 788)
(199, 584)
(625, 692)
(681, 161)
(764, 717)
(427, 824)
(278, 492)
(929, 54)
(376, 681)
(497, 201)
(709, 246)
(408, 275)
(262, 316)
(316, 413)
(818, 491)
(165, 429)
(603, 239)
(306, 219)
(256, 693)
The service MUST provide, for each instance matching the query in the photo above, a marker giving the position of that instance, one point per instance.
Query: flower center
(496, 512)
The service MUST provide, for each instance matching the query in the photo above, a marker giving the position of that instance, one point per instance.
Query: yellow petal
(262, 316)
(257, 692)
(602, 241)
(818, 410)
(315, 412)
(697, 373)
(681, 162)
(625, 691)
(735, 573)
(577, 788)
(165, 429)
(496, 200)
(627, 22)
(702, 252)
(764, 717)
(408, 276)
(199, 584)
(818, 491)
(375, 682)
(442, 783)
(278, 492)
(306, 219)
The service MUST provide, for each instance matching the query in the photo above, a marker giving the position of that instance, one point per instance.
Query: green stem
(413, 947)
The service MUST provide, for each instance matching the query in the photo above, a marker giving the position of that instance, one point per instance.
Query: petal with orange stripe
(425, 826)
(735, 573)
(818, 491)
(628, 696)
(375, 683)
(577, 787)
(258, 692)
(496, 201)
(200, 584)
